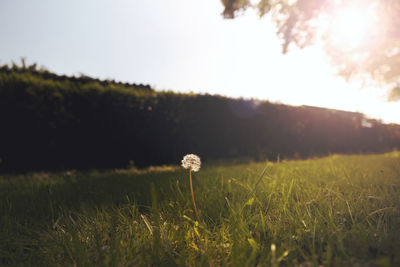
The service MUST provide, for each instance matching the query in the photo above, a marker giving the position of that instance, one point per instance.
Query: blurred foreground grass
(333, 211)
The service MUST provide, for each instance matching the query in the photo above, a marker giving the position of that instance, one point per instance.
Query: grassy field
(333, 211)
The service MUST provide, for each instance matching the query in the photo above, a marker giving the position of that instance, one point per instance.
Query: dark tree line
(51, 122)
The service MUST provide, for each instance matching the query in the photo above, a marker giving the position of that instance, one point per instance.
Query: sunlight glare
(351, 26)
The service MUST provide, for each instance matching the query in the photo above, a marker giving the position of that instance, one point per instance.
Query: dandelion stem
(191, 190)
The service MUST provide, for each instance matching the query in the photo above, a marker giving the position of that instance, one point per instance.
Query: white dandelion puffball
(191, 161)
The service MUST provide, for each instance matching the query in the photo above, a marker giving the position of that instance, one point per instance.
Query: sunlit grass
(334, 211)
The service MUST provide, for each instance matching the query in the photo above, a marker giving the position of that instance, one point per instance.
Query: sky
(184, 46)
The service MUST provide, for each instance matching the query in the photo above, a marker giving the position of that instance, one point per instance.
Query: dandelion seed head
(191, 161)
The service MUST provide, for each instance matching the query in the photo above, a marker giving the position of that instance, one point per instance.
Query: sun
(352, 26)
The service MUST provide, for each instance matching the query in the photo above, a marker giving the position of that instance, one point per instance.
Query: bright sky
(177, 45)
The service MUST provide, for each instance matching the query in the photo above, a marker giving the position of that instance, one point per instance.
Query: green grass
(333, 211)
